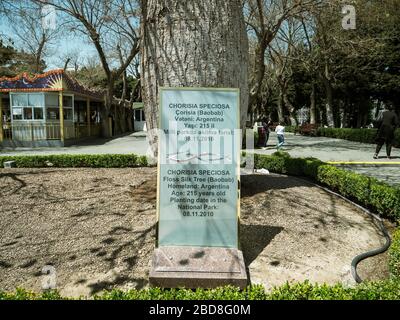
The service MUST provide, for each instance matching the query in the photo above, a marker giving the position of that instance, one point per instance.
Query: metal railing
(48, 131)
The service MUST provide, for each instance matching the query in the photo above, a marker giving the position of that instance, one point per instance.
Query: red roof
(54, 80)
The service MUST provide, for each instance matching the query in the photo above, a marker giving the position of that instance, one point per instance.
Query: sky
(67, 43)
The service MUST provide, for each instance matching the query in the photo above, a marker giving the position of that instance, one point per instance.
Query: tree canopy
(300, 56)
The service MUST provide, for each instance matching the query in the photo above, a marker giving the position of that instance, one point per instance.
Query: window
(17, 113)
(35, 100)
(52, 100)
(67, 108)
(137, 115)
(67, 101)
(143, 119)
(68, 115)
(53, 113)
(53, 107)
(38, 113)
(28, 114)
(27, 106)
(20, 100)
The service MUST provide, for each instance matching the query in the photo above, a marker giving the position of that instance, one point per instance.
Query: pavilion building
(50, 109)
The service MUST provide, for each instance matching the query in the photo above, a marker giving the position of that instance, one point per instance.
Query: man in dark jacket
(266, 125)
(388, 123)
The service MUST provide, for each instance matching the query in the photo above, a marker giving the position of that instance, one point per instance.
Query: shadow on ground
(257, 238)
(256, 183)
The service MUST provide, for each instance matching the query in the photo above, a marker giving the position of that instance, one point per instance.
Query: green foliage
(6, 55)
(369, 192)
(290, 128)
(394, 255)
(14, 61)
(388, 289)
(22, 294)
(357, 135)
(68, 160)
(381, 290)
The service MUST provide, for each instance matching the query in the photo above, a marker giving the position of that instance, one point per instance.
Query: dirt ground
(96, 227)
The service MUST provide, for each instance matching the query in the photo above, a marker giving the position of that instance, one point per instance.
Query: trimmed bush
(394, 255)
(369, 192)
(290, 128)
(72, 160)
(381, 290)
(388, 289)
(357, 135)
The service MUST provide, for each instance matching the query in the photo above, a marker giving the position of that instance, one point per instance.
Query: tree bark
(281, 118)
(291, 110)
(38, 54)
(313, 106)
(194, 43)
(106, 111)
(329, 102)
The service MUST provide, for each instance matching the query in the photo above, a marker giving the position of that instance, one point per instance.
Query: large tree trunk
(106, 112)
(326, 79)
(313, 106)
(329, 102)
(291, 109)
(194, 43)
(281, 118)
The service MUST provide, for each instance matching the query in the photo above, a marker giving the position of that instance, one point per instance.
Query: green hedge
(394, 255)
(357, 135)
(381, 290)
(369, 192)
(72, 160)
(290, 128)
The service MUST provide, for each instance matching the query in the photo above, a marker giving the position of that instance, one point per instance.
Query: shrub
(380, 290)
(290, 128)
(357, 135)
(72, 160)
(369, 192)
(394, 255)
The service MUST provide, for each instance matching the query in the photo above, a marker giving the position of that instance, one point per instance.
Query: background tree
(26, 19)
(13, 61)
(106, 23)
(264, 19)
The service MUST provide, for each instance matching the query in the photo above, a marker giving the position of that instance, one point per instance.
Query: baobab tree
(194, 43)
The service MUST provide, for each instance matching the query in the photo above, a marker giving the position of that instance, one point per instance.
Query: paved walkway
(355, 156)
(329, 149)
(358, 156)
(125, 144)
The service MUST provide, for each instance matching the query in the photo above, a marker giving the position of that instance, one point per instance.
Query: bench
(307, 129)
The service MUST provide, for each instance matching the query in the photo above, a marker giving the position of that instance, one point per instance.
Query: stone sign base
(193, 267)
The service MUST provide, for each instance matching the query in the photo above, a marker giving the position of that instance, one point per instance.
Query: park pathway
(349, 155)
(354, 155)
(124, 144)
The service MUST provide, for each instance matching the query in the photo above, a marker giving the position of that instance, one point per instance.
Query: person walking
(280, 133)
(266, 124)
(388, 123)
(260, 134)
